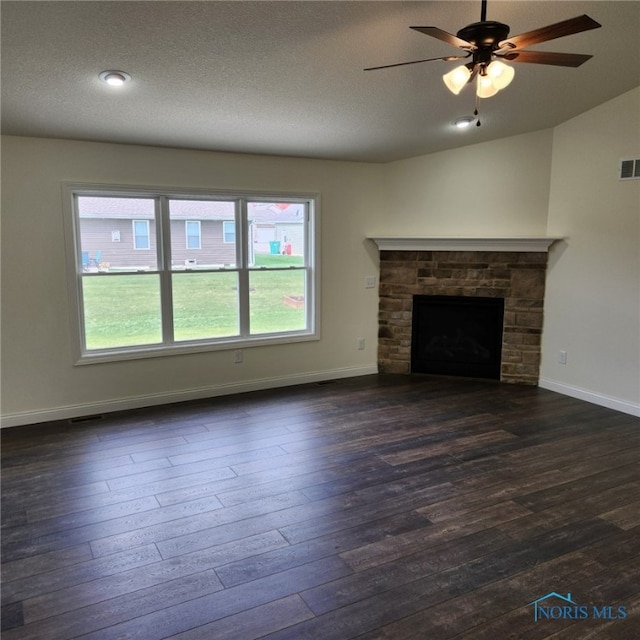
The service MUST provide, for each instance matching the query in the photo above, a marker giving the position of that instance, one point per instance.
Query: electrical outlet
(237, 356)
(360, 344)
(562, 357)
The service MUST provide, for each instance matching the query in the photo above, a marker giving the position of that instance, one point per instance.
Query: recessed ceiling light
(463, 122)
(114, 78)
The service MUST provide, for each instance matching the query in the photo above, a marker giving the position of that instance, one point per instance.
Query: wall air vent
(629, 169)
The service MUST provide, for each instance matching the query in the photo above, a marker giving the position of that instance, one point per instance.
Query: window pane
(121, 311)
(277, 301)
(200, 243)
(276, 233)
(205, 305)
(117, 234)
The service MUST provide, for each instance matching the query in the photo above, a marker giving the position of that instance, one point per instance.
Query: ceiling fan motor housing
(484, 35)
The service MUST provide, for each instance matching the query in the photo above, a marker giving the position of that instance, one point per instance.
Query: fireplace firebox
(457, 335)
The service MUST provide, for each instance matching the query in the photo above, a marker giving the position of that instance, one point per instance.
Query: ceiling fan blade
(547, 57)
(445, 36)
(550, 32)
(402, 64)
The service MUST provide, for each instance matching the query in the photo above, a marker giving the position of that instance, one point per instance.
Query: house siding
(97, 237)
(213, 250)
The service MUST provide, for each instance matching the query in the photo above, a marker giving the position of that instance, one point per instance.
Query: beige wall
(495, 188)
(592, 308)
(562, 182)
(39, 379)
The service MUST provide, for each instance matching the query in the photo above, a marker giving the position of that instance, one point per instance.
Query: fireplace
(457, 335)
(511, 271)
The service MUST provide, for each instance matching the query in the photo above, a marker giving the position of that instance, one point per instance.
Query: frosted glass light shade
(456, 79)
(500, 73)
(486, 88)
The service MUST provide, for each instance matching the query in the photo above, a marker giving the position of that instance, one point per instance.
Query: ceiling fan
(487, 43)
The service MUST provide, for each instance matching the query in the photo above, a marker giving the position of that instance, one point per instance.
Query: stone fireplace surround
(509, 268)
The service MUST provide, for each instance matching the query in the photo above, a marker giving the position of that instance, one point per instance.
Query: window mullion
(242, 253)
(163, 242)
(309, 262)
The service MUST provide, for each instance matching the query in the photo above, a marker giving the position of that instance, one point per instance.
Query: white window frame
(187, 235)
(135, 235)
(169, 346)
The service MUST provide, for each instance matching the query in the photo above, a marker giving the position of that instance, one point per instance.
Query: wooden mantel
(521, 244)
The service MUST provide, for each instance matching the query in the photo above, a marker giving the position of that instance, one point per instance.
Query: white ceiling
(287, 78)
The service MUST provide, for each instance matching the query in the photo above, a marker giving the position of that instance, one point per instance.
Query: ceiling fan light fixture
(501, 74)
(457, 78)
(486, 87)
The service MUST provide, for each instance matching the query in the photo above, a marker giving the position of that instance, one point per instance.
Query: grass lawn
(270, 260)
(124, 310)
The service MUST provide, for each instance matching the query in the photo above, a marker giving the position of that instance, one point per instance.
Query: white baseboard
(609, 402)
(137, 402)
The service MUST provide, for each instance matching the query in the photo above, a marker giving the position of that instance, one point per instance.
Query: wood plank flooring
(381, 507)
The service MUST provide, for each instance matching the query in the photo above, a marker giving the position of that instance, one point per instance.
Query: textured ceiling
(287, 78)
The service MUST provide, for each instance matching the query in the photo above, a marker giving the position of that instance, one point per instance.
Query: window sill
(187, 348)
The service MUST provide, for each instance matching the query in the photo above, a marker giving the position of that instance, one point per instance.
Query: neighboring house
(120, 233)
(277, 222)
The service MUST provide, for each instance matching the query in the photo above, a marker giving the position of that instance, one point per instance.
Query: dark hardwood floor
(395, 507)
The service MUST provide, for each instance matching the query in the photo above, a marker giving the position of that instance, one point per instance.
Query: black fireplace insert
(457, 335)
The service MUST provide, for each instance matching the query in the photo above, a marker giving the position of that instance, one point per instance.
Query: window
(141, 234)
(252, 281)
(192, 231)
(229, 232)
